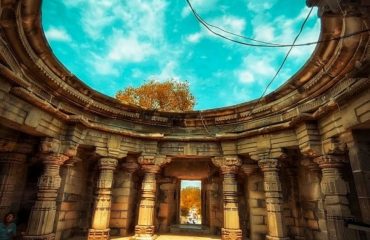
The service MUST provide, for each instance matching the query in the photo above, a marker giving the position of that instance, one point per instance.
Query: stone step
(189, 228)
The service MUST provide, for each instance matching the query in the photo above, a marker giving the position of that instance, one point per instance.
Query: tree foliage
(170, 95)
(190, 198)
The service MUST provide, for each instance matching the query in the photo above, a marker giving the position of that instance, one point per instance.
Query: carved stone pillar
(102, 203)
(41, 221)
(316, 193)
(274, 203)
(213, 199)
(127, 203)
(11, 165)
(167, 213)
(335, 190)
(151, 165)
(229, 167)
(297, 229)
(250, 169)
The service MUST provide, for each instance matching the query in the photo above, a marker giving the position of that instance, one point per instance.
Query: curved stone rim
(308, 94)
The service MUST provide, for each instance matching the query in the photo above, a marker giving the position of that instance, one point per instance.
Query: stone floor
(179, 237)
(171, 237)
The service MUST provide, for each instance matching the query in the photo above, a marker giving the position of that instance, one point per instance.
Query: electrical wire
(262, 43)
(282, 63)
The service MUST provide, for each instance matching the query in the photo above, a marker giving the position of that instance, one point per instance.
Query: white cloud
(101, 66)
(168, 72)
(246, 76)
(265, 33)
(258, 5)
(255, 69)
(128, 49)
(230, 23)
(195, 37)
(57, 34)
(227, 22)
(200, 6)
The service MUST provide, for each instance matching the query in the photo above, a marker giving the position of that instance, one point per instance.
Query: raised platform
(190, 229)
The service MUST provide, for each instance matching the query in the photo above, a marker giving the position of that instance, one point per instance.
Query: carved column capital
(331, 161)
(55, 146)
(269, 165)
(227, 164)
(107, 163)
(249, 168)
(154, 160)
(310, 164)
(53, 158)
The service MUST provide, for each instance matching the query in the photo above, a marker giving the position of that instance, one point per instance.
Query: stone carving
(229, 166)
(151, 164)
(335, 190)
(42, 216)
(102, 204)
(273, 194)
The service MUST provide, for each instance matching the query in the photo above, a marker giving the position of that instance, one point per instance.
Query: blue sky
(112, 44)
(190, 183)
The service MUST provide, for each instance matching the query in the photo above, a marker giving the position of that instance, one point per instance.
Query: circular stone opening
(114, 44)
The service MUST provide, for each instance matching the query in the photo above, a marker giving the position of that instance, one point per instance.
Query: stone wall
(124, 198)
(257, 207)
(75, 200)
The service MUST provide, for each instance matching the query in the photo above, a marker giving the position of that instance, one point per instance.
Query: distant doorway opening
(191, 202)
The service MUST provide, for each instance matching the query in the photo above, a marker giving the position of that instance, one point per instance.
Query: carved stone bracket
(227, 164)
(158, 160)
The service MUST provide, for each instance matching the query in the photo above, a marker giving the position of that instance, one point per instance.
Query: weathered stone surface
(322, 113)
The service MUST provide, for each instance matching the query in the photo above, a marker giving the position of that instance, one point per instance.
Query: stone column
(250, 169)
(128, 205)
(297, 229)
(359, 155)
(11, 166)
(317, 198)
(168, 207)
(335, 190)
(151, 165)
(274, 203)
(102, 203)
(229, 167)
(212, 196)
(41, 221)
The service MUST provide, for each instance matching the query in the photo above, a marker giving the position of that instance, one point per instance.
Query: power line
(283, 62)
(262, 43)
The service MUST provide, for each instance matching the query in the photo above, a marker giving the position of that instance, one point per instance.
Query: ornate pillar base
(231, 234)
(276, 238)
(144, 232)
(41, 237)
(98, 234)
